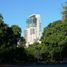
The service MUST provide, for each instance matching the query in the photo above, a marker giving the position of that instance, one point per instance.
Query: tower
(32, 32)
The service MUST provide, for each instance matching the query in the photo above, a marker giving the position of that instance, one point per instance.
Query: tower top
(33, 15)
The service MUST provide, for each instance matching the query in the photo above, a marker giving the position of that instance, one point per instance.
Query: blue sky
(17, 11)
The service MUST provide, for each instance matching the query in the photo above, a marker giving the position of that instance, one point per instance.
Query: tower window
(32, 31)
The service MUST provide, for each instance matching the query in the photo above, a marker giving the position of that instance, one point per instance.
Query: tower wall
(32, 32)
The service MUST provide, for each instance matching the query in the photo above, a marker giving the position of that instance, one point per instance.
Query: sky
(15, 12)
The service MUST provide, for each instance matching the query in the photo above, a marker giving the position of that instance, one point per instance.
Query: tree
(16, 34)
(34, 50)
(54, 38)
(1, 17)
(3, 31)
(65, 11)
(9, 38)
(22, 42)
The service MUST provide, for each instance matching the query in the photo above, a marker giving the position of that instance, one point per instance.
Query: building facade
(32, 32)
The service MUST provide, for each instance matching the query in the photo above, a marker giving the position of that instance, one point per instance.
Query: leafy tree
(65, 11)
(9, 38)
(34, 50)
(22, 42)
(55, 39)
(1, 17)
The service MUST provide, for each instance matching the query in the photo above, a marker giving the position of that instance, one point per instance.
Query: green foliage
(9, 38)
(65, 12)
(22, 42)
(1, 17)
(55, 40)
(16, 30)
